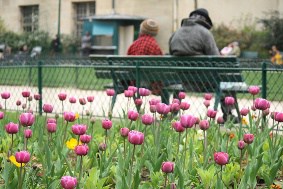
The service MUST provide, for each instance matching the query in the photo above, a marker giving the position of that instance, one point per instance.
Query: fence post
(39, 85)
(138, 79)
(263, 80)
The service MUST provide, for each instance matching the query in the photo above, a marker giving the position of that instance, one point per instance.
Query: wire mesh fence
(80, 78)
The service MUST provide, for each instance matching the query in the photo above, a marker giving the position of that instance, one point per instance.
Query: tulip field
(158, 146)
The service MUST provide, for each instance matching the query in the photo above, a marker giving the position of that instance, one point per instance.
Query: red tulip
(188, 121)
(62, 96)
(51, 127)
(206, 103)
(85, 138)
(138, 101)
(254, 90)
(135, 137)
(81, 150)
(278, 116)
(26, 119)
(90, 98)
(47, 108)
(26, 94)
(28, 133)
(221, 158)
(220, 120)
(184, 105)
(36, 96)
(204, 125)
(167, 167)
(110, 92)
(18, 102)
(248, 138)
(211, 113)
(106, 124)
(147, 119)
(68, 182)
(124, 132)
(5, 95)
(229, 100)
(208, 96)
(12, 128)
(133, 115)
(82, 101)
(79, 129)
(244, 111)
(72, 100)
(22, 157)
(182, 95)
(70, 116)
(241, 144)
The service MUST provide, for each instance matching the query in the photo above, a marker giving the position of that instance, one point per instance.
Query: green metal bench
(201, 74)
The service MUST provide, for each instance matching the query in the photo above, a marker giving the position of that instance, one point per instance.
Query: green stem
(81, 170)
(65, 133)
(165, 181)
(132, 163)
(20, 177)
(185, 149)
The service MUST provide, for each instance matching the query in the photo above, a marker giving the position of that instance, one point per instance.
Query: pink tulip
(278, 116)
(154, 101)
(69, 116)
(206, 103)
(72, 100)
(62, 96)
(182, 95)
(110, 92)
(178, 126)
(47, 108)
(167, 167)
(68, 182)
(208, 96)
(1, 115)
(174, 107)
(12, 128)
(229, 100)
(241, 144)
(81, 150)
(220, 120)
(26, 94)
(135, 137)
(51, 120)
(211, 113)
(138, 101)
(162, 108)
(261, 104)
(175, 100)
(204, 125)
(244, 111)
(22, 157)
(36, 96)
(124, 132)
(28, 133)
(106, 124)
(133, 88)
(5, 95)
(26, 119)
(221, 158)
(254, 90)
(79, 129)
(51, 127)
(188, 121)
(133, 115)
(152, 108)
(128, 93)
(18, 102)
(82, 101)
(147, 119)
(184, 105)
(85, 138)
(90, 98)
(248, 138)
(144, 92)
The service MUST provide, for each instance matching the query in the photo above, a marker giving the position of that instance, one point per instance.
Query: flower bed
(166, 146)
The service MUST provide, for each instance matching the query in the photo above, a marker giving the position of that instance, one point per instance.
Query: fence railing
(77, 78)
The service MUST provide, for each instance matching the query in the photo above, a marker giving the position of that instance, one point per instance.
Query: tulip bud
(110, 92)
(182, 95)
(106, 124)
(81, 150)
(208, 96)
(135, 137)
(68, 182)
(82, 101)
(26, 94)
(22, 157)
(167, 167)
(26, 119)
(47, 108)
(12, 128)
(36, 96)
(5, 95)
(72, 100)
(90, 98)
(28, 133)
(62, 96)
(221, 158)
(51, 127)
(147, 119)
(248, 138)
(78, 129)
(241, 144)
(124, 132)
(85, 138)
(203, 125)
(102, 147)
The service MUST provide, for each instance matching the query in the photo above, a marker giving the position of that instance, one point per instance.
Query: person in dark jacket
(194, 36)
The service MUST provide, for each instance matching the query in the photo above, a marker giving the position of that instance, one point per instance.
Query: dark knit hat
(149, 26)
(203, 12)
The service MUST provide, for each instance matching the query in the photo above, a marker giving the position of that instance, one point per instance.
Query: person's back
(194, 37)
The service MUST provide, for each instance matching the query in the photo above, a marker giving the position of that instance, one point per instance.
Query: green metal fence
(78, 78)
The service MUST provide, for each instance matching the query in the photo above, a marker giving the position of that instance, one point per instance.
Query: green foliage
(273, 27)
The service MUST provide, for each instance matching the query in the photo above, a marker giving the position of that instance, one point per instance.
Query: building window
(82, 10)
(29, 17)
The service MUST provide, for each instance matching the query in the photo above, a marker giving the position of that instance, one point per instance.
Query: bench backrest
(200, 74)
